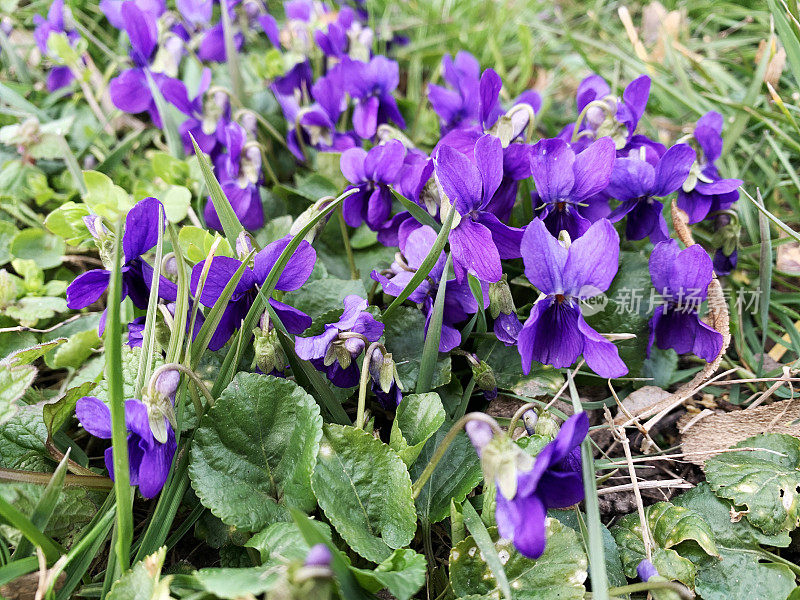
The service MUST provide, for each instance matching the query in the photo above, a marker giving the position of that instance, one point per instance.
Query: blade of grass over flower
(228, 368)
(119, 430)
(149, 335)
(232, 56)
(425, 268)
(11, 515)
(430, 350)
(182, 301)
(230, 222)
(170, 128)
(44, 508)
(485, 544)
(344, 577)
(597, 555)
(764, 281)
(215, 314)
(420, 214)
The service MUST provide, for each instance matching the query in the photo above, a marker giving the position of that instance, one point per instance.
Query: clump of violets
(556, 332)
(149, 459)
(526, 486)
(334, 351)
(459, 302)
(141, 234)
(682, 278)
(371, 84)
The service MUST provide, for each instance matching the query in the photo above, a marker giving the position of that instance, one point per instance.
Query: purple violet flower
(682, 278)
(459, 302)
(646, 570)
(333, 353)
(371, 85)
(705, 191)
(636, 184)
(565, 179)
(478, 239)
(556, 332)
(149, 459)
(59, 76)
(294, 275)
(141, 234)
(551, 480)
(457, 107)
(371, 173)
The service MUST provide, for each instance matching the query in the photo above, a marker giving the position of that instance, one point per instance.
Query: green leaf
(456, 475)
(28, 355)
(559, 573)
(742, 573)
(405, 339)
(173, 171)
(674, 529)
(507, 369)
(418, 417)
(13, 383)
(402, 574)
(56, 413)
(365, 491)
(254, 451)
(284, 541)
(7, 233)
(76, 350)
(66, 221)
(176, 200)
(196, 243)
(104, 197)
(143, 581)
(616, 575)
(765, 483)
(232, 583)
(317, 297)
(38, 245)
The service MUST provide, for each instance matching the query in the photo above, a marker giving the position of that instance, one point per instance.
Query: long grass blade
(430, 350)
(149, 334)
(17, 520)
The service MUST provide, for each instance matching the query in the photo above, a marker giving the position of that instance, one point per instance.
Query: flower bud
(484, 379)
(546, 425)
(530, 419)
(318, 556)
(167, 382)
(500, 299)
(309, 215)
(244, 244)
(94, 224)
(646, 570)
(480, 434)
(269, 356)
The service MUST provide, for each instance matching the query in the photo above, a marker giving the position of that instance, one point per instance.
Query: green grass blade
(765, 282)
(44, 508)
(174, 143)
(119, 430)
(227, 217)
(426, 266)
(484, 542)
(215, 315)
(232, 56)
(430, 350)
(787, 35)
(19, 521)
(149, 334)
(178, 334)
(420, 214)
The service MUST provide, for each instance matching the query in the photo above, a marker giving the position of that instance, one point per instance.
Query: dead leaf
(703, 438)
(643, 398)
(789, 258)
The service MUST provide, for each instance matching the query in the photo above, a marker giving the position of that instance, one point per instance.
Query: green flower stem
(448, 439)
(351, 259)
(119, 431)
(597, 559)
(362, 386)
(646, 586)
(181, 368)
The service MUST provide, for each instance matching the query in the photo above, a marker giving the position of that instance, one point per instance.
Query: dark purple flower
(141, 234)
(459, 302)
(553, 480)
(705, 191)
(371, 173)
(682, 278)
(334, 351)
(457, 107)
(556, 332)
(371, 85)
(564, 180)
(478, 239)
(725, 263)
(112, 9)
(136, 332)
(149, 459)
(294, 275)
(636, 184)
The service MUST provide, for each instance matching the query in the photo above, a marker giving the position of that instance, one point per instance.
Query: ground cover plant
(399, 300)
